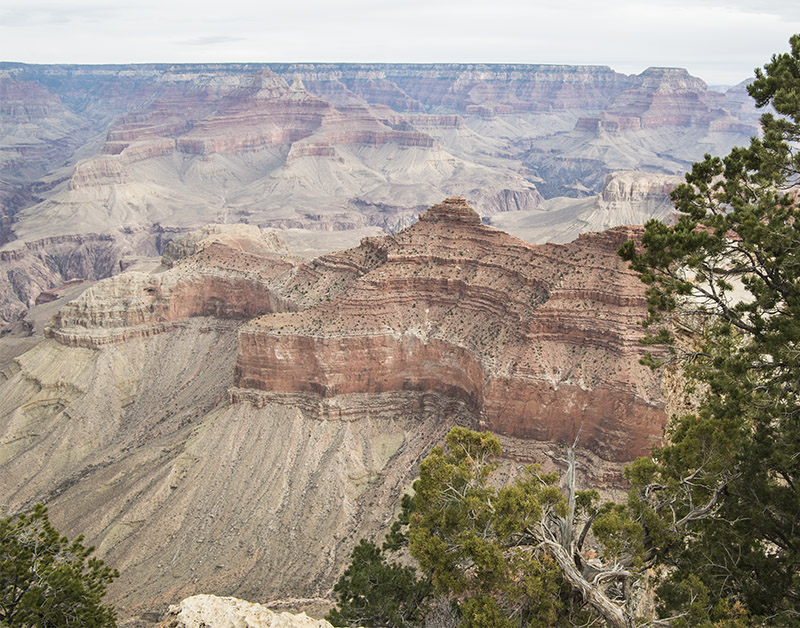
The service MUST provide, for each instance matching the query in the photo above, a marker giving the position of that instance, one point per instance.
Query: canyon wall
(110, 150)
(234, 420)
(534, 340)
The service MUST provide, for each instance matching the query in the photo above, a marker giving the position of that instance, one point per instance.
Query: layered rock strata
(235, 420)
(324, 147)
(533, 340)
(627, 198)
(223, 271)
(536, 340)
(361, 144)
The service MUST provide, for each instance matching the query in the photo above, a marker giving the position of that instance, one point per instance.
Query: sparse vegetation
(48, 581)
(513, 556)
(376, 592)
(721, 500)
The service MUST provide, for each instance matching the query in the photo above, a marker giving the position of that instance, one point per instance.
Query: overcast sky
(721, 41)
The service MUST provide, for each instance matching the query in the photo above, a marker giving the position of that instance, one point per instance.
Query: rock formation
(447, 306)
(209, 611)
(110, 150)
(627, 198)
(224, 271)
(510, 330)
(28, 270)
(236, 419)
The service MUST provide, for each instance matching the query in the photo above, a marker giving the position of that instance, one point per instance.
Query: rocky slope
(224, 271)
(235, 420)
(627, 198)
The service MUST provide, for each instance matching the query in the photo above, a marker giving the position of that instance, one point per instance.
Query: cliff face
(29, 270)
(224, 271)
(532, 340)
(535, 340)
(362, 144)
(657, 98)
(628, 197)
(236, 419)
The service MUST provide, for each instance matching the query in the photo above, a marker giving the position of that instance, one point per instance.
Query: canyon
(141, 153)
(236, 312)
(233, 419)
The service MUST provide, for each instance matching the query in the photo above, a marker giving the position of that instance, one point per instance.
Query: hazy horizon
(719, 41)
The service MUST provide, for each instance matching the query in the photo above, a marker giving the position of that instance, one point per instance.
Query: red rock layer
(537, 340)
(224, 280)
(534, 341)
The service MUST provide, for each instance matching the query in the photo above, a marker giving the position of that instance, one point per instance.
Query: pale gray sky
(721, 41)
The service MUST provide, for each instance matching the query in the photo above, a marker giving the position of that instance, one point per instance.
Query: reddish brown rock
(223, 271)
(536, 340)
(452, 210)
(234, 447)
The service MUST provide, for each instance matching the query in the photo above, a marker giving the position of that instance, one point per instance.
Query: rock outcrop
(535, 341)
(632, 187)
(658, 98)
(28, 270)
(328, 147)
(210, 611)
(224, 271)
(628, 197)
(532, 340)
(244, 238)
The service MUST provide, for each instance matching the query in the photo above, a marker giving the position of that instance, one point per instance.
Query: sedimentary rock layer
(361, 144)
(536, 340)
(224, 271)
(235, 420)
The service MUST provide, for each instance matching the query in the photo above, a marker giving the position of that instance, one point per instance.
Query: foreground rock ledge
(210, 611)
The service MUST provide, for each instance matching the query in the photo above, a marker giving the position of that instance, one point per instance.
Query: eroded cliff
(235, 420)
(535, 340)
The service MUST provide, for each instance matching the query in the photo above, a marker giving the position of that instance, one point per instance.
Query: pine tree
(721, 500)
(48, 581)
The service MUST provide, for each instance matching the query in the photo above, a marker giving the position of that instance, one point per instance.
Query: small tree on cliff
(48, 581)
(722, 499)
(374, 591)
(377, 591)
(512, 557)
(500, 557)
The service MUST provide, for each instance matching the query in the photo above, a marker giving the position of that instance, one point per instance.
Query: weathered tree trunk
(612, 613)
(564, 552)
